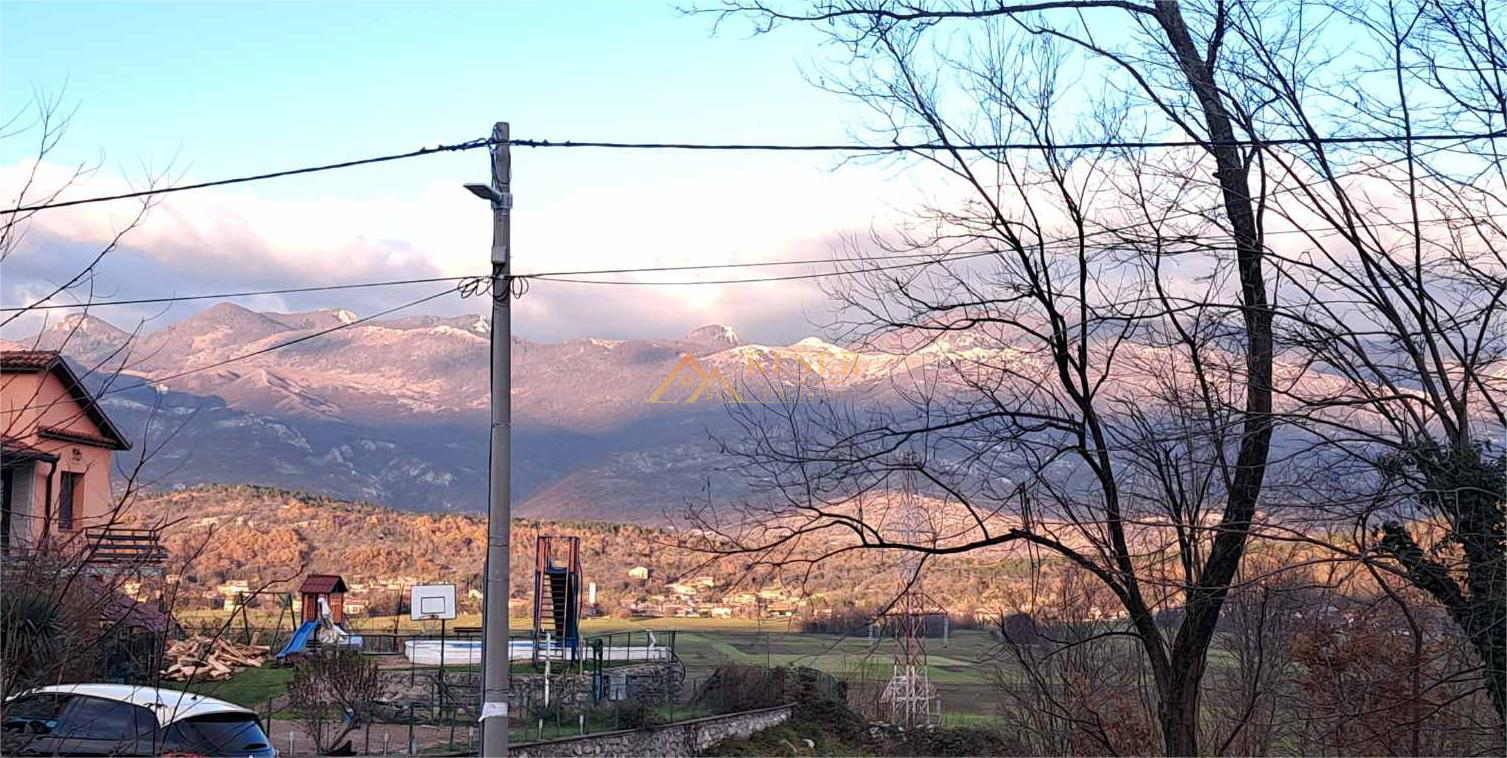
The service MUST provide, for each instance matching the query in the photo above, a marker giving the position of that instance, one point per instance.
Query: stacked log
(209, 659)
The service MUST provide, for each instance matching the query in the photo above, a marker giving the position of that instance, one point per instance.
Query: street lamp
(485, 192)
(496, 657)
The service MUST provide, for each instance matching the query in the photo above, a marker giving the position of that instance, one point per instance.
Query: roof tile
(28, 360)
(322, 584)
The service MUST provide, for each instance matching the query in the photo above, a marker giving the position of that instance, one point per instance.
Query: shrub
(334, 692)
(735, 688)
(944, 742)
(635, 714)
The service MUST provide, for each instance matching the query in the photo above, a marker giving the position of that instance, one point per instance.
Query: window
(67, 495)
(28, 723)
(91, 718)
(217, 734)
(44, 708)
(7, 483)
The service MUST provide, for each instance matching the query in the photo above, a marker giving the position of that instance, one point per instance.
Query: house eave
(21, 454)
(63, 435)
(112, 437)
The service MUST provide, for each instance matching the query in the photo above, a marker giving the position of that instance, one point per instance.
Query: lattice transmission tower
(910, 695)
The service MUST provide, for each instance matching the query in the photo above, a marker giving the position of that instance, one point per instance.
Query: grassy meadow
(960, 667)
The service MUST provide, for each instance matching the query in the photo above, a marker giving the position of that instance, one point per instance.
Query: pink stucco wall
(39, 399)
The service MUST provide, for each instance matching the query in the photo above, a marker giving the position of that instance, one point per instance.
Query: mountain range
(396, 411)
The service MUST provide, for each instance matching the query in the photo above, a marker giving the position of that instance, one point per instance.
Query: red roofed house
(55, 449)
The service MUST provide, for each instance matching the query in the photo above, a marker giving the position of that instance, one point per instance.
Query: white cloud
(247, 237)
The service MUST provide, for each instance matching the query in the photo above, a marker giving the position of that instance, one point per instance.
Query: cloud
(240, 238)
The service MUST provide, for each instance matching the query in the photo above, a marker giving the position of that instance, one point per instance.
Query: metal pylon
(911, 698)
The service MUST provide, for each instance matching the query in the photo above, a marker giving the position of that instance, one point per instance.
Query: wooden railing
(113, 545)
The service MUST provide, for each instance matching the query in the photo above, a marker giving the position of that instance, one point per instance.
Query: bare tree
(1396, 287)
(1111, 419)
(1247, 706)
(71, 612)
(335, 691)
(1108, 382)
(1070, 679)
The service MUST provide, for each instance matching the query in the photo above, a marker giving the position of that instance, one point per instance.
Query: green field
(251, 687)
(961, 667)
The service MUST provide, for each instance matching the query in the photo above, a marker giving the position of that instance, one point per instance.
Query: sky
(198, 91)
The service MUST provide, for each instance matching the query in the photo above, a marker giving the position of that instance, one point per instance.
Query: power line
(852, 148)
(469, 145)
(1002, 146)
(231, 295)
(268, 349)
(466, 288)
(399, 282)
(919, 259)
(295, 340)
(933, 259)
(928, 258)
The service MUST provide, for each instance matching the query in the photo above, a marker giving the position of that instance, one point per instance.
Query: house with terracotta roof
(56, 444)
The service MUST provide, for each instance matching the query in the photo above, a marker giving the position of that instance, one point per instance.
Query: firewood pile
(210, 659)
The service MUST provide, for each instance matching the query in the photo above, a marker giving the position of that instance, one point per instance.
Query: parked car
(125, 720)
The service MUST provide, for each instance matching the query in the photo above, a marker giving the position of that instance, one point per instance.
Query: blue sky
(217, 89)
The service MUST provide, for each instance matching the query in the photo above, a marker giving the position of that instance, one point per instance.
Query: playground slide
(300, 639)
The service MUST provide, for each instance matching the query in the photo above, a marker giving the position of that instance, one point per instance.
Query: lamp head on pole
(484, 191)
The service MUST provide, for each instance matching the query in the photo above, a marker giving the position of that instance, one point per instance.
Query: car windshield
(217, 734)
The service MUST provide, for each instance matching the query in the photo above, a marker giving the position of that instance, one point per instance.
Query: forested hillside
(271, 538)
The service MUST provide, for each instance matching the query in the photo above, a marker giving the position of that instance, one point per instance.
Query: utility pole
(495, 653)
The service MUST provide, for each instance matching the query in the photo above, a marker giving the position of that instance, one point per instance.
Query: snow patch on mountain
(450, 331)
(714, 335)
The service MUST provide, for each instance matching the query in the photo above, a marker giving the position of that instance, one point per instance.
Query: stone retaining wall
(681, 739)
(646, 682)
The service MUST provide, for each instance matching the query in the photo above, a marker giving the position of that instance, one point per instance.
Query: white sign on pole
(432, 602)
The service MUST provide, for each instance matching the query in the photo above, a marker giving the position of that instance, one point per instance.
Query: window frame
(68, 489)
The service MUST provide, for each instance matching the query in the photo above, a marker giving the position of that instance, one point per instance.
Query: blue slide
(299, 640)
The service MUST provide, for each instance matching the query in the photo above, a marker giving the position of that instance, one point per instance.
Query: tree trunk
(1179, 709)
(1491, 644)
(1473, 489)
(1178, 717)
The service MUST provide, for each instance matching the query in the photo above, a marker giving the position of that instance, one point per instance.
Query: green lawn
(960, 667)
(251, 688)
(955, 718)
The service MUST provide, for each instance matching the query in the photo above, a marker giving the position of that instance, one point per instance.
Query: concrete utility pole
(495, 654)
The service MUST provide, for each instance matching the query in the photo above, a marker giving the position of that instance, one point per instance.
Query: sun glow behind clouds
(249, 237)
